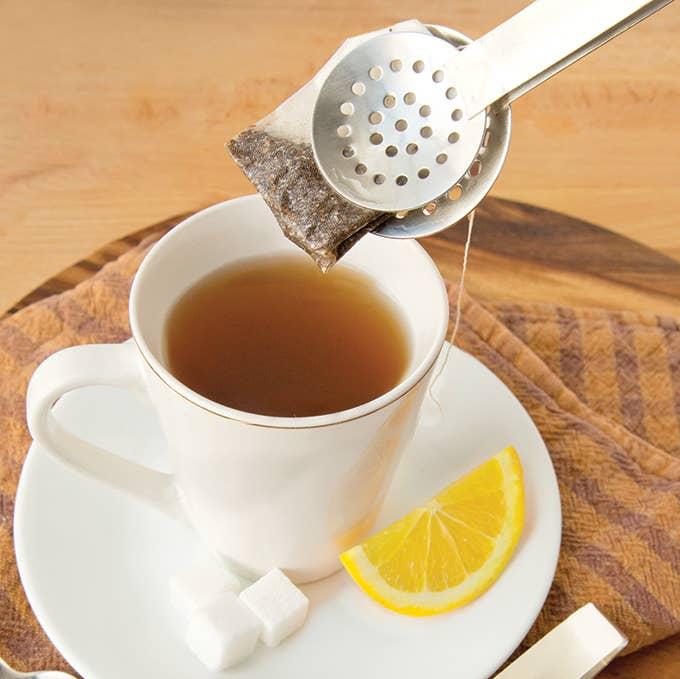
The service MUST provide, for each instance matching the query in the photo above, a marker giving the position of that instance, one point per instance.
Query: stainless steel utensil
(418, 125)
(6, 672)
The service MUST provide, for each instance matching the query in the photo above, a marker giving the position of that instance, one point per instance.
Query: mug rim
(403, 387)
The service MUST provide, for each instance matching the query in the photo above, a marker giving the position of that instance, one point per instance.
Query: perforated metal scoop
(418, 124)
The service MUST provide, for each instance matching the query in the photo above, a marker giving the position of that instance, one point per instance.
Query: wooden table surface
(113, 115)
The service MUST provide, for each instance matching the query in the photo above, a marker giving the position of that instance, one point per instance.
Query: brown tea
(275, 336)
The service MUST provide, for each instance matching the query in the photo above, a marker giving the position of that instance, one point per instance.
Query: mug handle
(115, 365)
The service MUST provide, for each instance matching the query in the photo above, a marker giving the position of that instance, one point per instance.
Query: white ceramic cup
(262, 491)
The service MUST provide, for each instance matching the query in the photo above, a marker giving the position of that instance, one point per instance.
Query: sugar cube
(223, 633)
(278, 603)
(199, 584)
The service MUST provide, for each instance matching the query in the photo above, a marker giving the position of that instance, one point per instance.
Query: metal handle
(540, 41)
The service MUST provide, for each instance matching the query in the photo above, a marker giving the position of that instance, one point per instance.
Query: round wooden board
(519, 253)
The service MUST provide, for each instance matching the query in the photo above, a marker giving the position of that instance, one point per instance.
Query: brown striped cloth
(602, 387)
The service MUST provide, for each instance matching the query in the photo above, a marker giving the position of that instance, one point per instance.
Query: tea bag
(276, 155)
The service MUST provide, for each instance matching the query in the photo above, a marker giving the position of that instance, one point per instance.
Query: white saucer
(95, 564)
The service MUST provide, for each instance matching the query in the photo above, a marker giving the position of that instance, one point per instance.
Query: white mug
(261, 491)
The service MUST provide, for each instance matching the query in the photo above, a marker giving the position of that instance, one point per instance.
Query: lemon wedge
(449, 551)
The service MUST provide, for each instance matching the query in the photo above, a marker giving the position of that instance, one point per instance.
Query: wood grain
(519, 252)
(525, 253)
(114, 114)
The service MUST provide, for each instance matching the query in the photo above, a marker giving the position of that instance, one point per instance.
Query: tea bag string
(459, 301)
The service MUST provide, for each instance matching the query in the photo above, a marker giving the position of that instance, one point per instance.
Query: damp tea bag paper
(276, 156)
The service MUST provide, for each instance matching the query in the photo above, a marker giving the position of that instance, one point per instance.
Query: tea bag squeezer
(418, 125)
